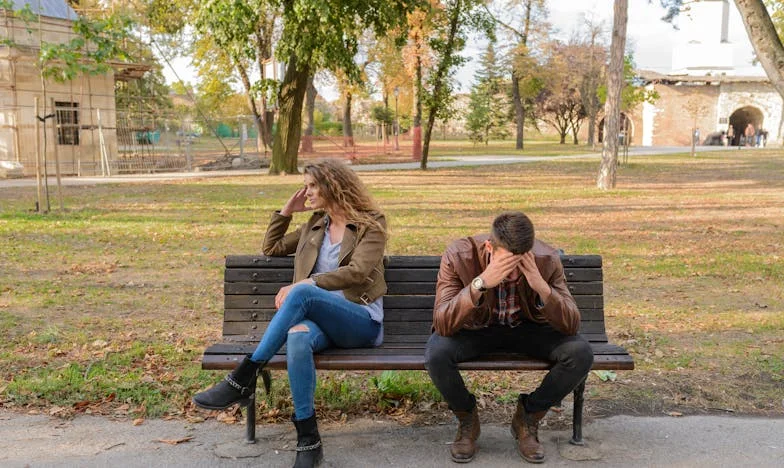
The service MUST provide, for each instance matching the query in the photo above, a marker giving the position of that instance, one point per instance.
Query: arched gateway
(741, 118)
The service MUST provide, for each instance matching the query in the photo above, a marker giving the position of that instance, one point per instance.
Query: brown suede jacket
(360, 272)
(467, 258)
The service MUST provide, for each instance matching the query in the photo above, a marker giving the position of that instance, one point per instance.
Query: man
(505, 291)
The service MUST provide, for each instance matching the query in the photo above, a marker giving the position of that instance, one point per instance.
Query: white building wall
(763, 96)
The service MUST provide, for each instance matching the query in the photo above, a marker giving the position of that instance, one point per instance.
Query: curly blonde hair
(343, 191)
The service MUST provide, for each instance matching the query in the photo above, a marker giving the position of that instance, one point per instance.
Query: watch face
(478, 284)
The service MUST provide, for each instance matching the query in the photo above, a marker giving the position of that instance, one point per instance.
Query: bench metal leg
(250, 420)
(577, 418)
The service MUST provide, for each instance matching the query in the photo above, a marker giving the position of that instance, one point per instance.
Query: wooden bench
(251, 283)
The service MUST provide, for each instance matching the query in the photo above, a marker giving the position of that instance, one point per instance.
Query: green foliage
(329, 128)
(632, 93)
(396, 386)
(96, 42)
(382, 115)
(776, 10)
(166, 16)
(333, 29)
(451, 26)
(489, 107)
(148, 94)
(231, 25)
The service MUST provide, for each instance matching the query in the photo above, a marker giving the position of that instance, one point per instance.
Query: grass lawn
(372, 151)
(106, 308)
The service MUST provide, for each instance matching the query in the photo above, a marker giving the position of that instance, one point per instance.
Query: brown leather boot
(464, 447)
(525, 428)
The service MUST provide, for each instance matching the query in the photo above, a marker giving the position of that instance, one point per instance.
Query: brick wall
(674, 122)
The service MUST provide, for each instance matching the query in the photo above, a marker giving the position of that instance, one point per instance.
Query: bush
(329, 128)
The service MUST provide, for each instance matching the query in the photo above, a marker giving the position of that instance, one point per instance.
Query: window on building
(67, 122)
(723, 120)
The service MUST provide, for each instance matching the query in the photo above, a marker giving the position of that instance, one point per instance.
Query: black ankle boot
(309, 451)
(237, 387)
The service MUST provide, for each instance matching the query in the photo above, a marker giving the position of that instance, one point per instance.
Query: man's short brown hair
(513, 231)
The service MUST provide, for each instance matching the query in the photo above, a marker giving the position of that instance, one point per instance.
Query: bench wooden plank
(419, 327)
(386, 348)
(393, 261)
(591, 337)
(392, 275)
(393, 288)
(251, 283)
(240, 301)
(417, 362)
(390, 315)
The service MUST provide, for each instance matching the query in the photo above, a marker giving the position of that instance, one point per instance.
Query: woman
(335, 300)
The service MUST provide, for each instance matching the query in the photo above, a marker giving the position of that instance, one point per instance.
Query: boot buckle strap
(307, 448)
(244, 391)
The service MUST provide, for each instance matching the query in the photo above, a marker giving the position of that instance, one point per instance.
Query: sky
(650, 39)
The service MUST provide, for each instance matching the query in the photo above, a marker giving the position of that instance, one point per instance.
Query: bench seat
(251, 283)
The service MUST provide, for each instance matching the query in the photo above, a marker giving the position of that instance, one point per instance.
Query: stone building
(77, 138)
(704, 90)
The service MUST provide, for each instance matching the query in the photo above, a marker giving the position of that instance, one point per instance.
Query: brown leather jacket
(360, 272)
(466, 258)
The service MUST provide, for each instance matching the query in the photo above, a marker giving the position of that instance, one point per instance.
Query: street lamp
(396, 92)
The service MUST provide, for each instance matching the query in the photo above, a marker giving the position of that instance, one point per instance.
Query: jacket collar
(319, 230)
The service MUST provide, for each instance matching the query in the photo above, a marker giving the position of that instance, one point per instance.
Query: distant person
(696, 136)
(758, 143)
(749, 134)
(730, 135)
(764, 138)
(336, 300)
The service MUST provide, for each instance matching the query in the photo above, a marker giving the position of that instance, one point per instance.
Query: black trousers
(571, 356)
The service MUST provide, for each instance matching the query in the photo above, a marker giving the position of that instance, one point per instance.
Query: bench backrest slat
(251, 283)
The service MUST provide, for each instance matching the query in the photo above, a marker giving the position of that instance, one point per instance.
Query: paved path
(621, 441)
(446, 161)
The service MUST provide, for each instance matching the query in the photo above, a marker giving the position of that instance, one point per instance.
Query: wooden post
(45, 162)
(57, 158)
(37, 158)
(105, 169)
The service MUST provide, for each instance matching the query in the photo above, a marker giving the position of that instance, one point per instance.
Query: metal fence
(86, 141)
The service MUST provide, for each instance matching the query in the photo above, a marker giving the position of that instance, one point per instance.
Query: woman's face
(313, 193)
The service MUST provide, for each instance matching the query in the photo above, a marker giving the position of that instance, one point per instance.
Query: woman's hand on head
(296, 203)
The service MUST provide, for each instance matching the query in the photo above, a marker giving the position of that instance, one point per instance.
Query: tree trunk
(384, 127)
(517, 100)
(612, 108)
(310, 106)
(264, 53)
(519, 111)
(258, 118)
(441, 76)
(591, 130)
(766, 42)
(286, 139)
(416, 130)
(348, 131)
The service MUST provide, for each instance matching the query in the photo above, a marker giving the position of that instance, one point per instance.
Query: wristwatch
(479, 284)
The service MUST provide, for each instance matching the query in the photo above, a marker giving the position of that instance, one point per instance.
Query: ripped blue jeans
(312, 320)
